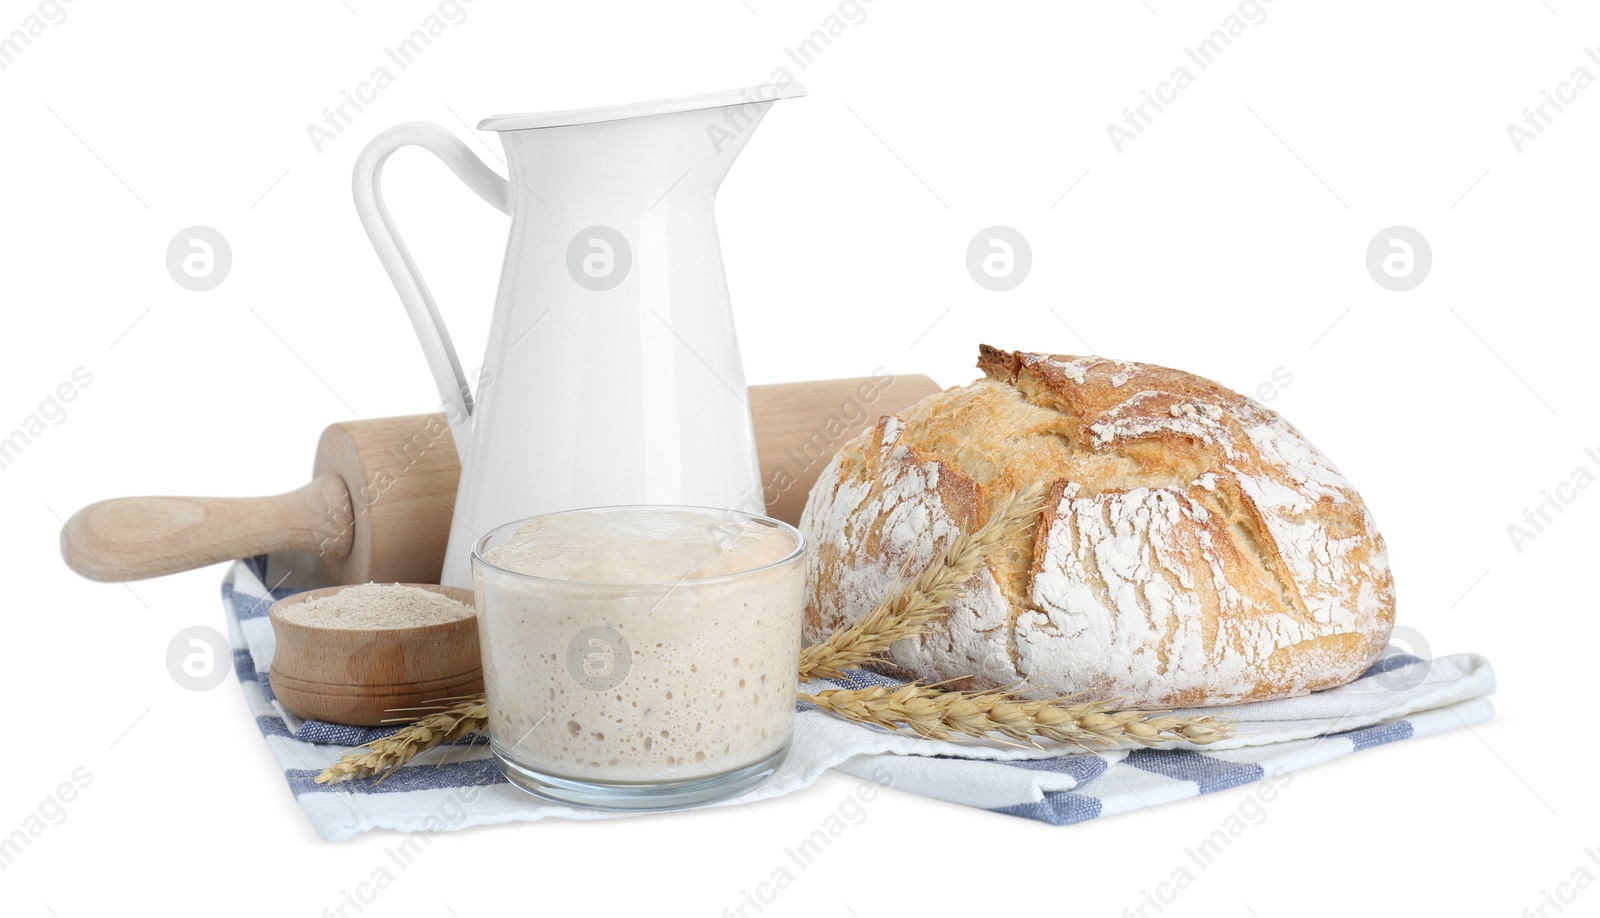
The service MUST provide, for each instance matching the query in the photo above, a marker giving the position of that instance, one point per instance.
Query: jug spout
(738, 120)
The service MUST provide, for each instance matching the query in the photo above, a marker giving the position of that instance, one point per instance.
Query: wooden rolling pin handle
(131, 538)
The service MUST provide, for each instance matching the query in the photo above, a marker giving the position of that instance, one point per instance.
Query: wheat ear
(385, 754)
(921, 604)
(947, 715)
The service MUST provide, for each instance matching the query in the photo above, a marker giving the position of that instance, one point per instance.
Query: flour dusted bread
(1194, 549)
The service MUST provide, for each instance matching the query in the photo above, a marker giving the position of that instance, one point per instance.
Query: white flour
(376, 606)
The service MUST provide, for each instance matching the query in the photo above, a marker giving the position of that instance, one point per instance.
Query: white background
(1228, 240)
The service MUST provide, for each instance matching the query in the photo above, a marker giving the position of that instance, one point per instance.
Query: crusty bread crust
(1195, 548)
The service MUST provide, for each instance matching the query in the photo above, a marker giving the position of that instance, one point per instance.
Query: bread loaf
(1195, 549)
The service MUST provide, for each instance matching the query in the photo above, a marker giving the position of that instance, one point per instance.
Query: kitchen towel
(1400, 697)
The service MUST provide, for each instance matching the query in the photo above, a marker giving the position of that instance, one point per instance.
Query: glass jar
(640, 657)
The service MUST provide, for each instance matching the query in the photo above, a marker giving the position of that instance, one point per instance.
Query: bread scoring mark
(1149, 413)
(1256, 545)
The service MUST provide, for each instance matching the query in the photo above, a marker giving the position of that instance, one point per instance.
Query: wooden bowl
(355, 676)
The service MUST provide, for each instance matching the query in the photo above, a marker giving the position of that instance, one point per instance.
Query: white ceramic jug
(612, 374)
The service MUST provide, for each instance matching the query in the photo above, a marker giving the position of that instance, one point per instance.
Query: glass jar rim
(797, 537)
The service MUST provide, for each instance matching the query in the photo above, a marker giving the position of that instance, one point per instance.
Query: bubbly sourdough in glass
(640, 644)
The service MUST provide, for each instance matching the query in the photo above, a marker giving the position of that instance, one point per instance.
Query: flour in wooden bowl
(376, 606)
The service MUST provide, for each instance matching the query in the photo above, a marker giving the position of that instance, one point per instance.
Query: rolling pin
(380, 500)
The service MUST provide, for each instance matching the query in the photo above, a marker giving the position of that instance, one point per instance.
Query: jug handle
(414, 294)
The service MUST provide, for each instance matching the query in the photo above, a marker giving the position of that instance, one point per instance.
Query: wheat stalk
(446, 724)
(921, 605)
(947, 715)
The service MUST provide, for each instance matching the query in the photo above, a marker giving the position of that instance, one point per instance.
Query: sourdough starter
(630, 654)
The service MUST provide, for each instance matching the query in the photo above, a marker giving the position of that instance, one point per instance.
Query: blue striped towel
(1400, 697)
